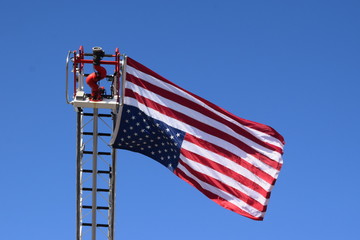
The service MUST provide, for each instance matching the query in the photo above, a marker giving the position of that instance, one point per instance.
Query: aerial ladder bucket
(96, 108)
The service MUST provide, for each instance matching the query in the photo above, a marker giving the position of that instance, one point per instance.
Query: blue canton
(153, 138)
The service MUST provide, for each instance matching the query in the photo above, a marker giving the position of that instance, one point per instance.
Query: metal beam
(113, 192)
(94, 173)
(78, 173)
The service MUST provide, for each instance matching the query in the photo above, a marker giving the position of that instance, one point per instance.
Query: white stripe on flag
(210, 138)
(224, 179)
(227, 163)
(204, 119)
(148, 78)
(227, 196)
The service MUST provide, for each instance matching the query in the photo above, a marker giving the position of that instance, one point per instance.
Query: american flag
(233, 161)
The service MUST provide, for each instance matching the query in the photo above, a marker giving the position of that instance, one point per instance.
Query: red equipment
(92, 80)
(97, 93)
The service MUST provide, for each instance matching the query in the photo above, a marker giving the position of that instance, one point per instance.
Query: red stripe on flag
(227, 154)
(224, 187)
(254, 125)
(197, 107)
(202, 126)
(226, 171)
(219, 200)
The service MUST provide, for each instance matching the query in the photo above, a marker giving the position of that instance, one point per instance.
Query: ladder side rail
(113, 190)
(78, 173)
(94, 173)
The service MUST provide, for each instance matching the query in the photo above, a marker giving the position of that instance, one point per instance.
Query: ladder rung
(99, 171)
(102, 208)
(98, 189)
(97, 225)
(104, 153)
(102, 225)
(98, 207)
(100, 134)
(103, 190)
(100, 115)
(99, 153)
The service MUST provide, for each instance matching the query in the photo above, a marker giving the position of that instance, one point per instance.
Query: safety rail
(67, 77)
(78, 61)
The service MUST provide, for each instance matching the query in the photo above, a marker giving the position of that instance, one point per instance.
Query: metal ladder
(95, 159)
(95, 178)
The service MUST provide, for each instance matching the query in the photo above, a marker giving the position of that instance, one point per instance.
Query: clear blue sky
(293, 65)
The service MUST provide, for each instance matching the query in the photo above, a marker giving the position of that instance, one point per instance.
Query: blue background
(293, 65)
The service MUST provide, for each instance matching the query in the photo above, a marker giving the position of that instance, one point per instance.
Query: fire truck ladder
(96, 171)
(95, 159)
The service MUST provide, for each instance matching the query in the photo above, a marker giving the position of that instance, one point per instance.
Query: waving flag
(233, 161)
